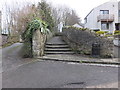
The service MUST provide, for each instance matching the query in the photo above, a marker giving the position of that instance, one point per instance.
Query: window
(119, 13)
(104, 11)
(104, 26)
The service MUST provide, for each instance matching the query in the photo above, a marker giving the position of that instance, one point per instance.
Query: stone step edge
(80, 61)
(59, 53)
(56, 44)
(57, 49)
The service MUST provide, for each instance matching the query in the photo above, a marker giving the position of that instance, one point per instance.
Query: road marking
(91, 64)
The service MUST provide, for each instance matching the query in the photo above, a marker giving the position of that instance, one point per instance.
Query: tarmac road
(24, 73)
(49, 74)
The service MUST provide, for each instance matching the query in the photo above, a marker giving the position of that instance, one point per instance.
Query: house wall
(118, 10)
(92, 21)
(92, 17)
(0, 21)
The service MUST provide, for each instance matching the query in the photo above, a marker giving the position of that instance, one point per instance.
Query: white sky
(82, 7)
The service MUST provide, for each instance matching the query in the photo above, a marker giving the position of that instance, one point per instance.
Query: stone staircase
(57, 46)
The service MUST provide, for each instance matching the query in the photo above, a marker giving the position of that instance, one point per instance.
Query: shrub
(117, 32)
(100, 32)
(106, 32)
(108, 35)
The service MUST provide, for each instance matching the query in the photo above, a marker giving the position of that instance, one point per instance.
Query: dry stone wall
(82, 40)
(38, 42)
(117, 46)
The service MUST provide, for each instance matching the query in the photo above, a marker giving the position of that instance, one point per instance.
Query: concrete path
(49, 74)
(56, 40)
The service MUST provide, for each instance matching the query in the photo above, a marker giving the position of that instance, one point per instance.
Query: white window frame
(105, 26)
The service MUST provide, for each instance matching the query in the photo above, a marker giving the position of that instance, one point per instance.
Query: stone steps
(57, 46)
(58, 49)
(59, 52)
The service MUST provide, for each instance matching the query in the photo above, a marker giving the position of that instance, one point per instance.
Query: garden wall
(38, 43)
(3, 39)
(81, 40)
(117, 46)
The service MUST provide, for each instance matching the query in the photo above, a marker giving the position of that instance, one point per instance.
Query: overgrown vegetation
(28, 18)
(36, 24)
(18, 18)
(41, 20)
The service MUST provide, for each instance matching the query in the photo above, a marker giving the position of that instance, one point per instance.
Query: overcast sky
(82, 7)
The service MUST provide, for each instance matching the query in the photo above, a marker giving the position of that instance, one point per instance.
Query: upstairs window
(104, 11)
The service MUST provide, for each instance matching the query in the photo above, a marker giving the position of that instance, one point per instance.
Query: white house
(105, 17)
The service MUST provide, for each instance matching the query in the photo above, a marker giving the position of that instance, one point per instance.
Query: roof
(89, 13)
(78, 25)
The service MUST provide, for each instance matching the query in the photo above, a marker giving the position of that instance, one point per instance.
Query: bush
(117, 32)
(108, 35)
(100, 32)
(106, 32)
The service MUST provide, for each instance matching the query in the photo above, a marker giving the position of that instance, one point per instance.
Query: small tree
(65, 15)
(45, 11)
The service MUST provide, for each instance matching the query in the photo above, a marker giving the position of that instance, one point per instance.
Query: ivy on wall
(36, 24)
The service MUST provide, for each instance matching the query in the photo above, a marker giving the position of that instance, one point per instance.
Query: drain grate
(74, 85)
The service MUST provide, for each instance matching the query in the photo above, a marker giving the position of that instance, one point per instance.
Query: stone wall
(38, 42)
(117, 46)
(82, 40)
(14, 39)
(3, 39)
